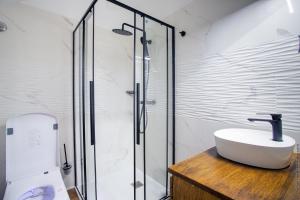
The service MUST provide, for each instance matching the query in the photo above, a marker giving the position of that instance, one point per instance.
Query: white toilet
(32, 159)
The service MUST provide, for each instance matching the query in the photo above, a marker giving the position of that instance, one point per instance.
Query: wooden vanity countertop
(230, 180)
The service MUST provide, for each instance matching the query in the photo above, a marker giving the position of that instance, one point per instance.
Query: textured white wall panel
(230, 68)
(234, 85)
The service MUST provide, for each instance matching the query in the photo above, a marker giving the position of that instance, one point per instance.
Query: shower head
(3, 27)
(122, 32)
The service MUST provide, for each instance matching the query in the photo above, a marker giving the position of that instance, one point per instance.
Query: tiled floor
(72, 194)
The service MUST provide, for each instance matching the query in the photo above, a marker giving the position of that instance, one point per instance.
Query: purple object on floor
(46, 192)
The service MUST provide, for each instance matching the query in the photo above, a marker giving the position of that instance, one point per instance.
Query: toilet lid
(31, 145)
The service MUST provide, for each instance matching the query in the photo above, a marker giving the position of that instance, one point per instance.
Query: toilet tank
(31, 145)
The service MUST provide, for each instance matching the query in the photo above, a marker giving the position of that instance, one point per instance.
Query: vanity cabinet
(208, 176)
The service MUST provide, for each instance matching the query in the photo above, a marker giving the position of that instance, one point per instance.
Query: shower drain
(137, 184)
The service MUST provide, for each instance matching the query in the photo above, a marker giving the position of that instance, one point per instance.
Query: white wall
(230, 68)
(36, 71)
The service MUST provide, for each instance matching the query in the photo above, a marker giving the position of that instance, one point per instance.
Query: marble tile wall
(36, 71)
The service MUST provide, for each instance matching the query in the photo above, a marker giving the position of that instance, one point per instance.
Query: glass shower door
(155, 76)
(83, 91)
(156, 70)
(153, 128)
(139, 111)
(89, 116)
(114, 103)
(79, 163)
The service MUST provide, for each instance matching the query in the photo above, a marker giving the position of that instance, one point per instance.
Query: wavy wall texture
(235, 85)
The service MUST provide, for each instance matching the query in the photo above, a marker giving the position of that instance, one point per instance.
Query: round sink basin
(254, 147)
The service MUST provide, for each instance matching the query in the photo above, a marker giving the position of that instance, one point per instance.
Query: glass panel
(171, 88)
(79, 150)
(88, 86)
(114, 100)
(140, 109)
(132, 68)
(156, 89)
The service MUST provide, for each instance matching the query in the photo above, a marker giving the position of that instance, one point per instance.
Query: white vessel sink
(254, 147)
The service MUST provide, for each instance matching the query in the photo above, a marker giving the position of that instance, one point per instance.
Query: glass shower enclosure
(123, 103)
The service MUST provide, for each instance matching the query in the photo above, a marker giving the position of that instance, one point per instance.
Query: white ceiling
(191, 11)
(157, 8)
(74, 9)
(200, 12)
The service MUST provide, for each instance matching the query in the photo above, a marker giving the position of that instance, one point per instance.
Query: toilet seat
(16, 189)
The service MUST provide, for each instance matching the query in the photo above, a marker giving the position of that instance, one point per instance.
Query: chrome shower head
(122, 32)
(3, 27)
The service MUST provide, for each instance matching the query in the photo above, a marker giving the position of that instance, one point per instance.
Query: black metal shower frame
(82, 21)
(92, 114)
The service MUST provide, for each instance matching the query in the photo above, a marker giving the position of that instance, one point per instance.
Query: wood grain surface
(226, 179)
(73, 194)
(183, 190)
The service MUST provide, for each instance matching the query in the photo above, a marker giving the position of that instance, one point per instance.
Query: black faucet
(276, 125)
